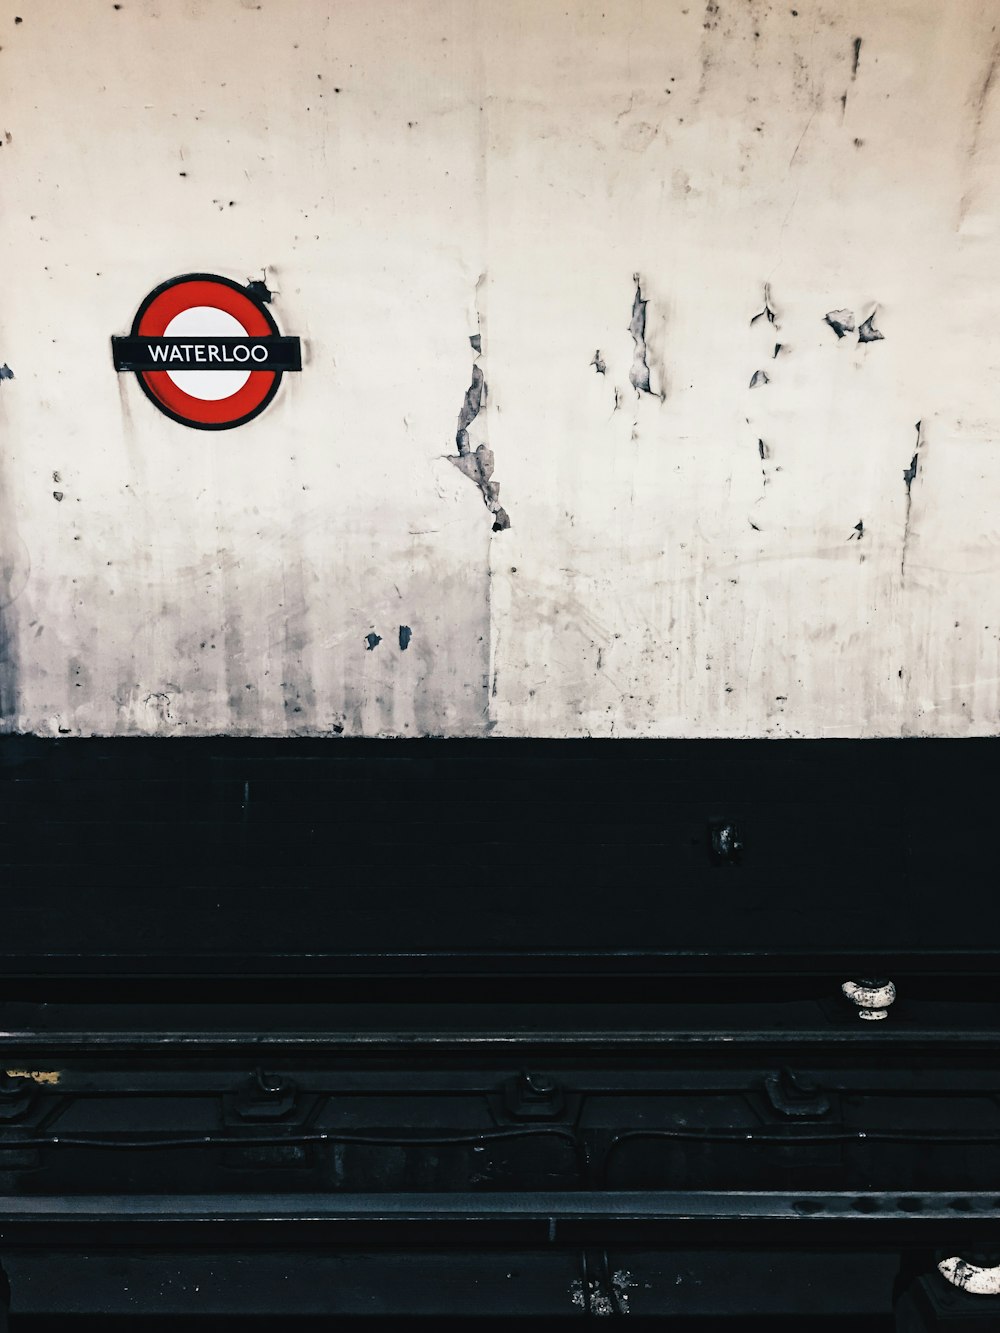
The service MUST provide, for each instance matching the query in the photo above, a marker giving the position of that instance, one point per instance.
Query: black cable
(86, 1140)
(790, 1140)
(305, 1139)
(319, 1137)
(828, 1136)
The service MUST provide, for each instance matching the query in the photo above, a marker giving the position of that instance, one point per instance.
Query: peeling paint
(478, 465)
(841, 321)
(405, 635)
(638, 375)
(767, 312)
(867, 332)
(211, 586)
(909, 477)
(372, 641)
(470, 409)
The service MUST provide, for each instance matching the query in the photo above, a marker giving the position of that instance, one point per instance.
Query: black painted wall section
(342, 857)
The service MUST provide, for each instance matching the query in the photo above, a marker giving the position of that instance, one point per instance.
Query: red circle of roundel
(196, 289)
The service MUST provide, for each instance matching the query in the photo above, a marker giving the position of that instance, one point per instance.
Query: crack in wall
(768, 312)
(765, 455)
(855, 60)
(979, 108)
(478, 464)
(909, 477)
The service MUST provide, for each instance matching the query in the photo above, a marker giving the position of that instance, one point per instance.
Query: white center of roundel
(207, 321)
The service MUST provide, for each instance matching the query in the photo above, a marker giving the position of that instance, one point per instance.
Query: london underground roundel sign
(207, 351)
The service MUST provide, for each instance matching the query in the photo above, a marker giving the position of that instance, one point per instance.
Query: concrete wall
(724, 519)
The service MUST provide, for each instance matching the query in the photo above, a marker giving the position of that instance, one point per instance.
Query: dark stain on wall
(243, 703)
(14, 570)
(10, 693)
(299, 694)
(11, 583)
(987, 85)
(257, 287)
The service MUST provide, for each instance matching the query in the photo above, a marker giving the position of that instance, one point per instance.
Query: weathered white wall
(408, 175)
